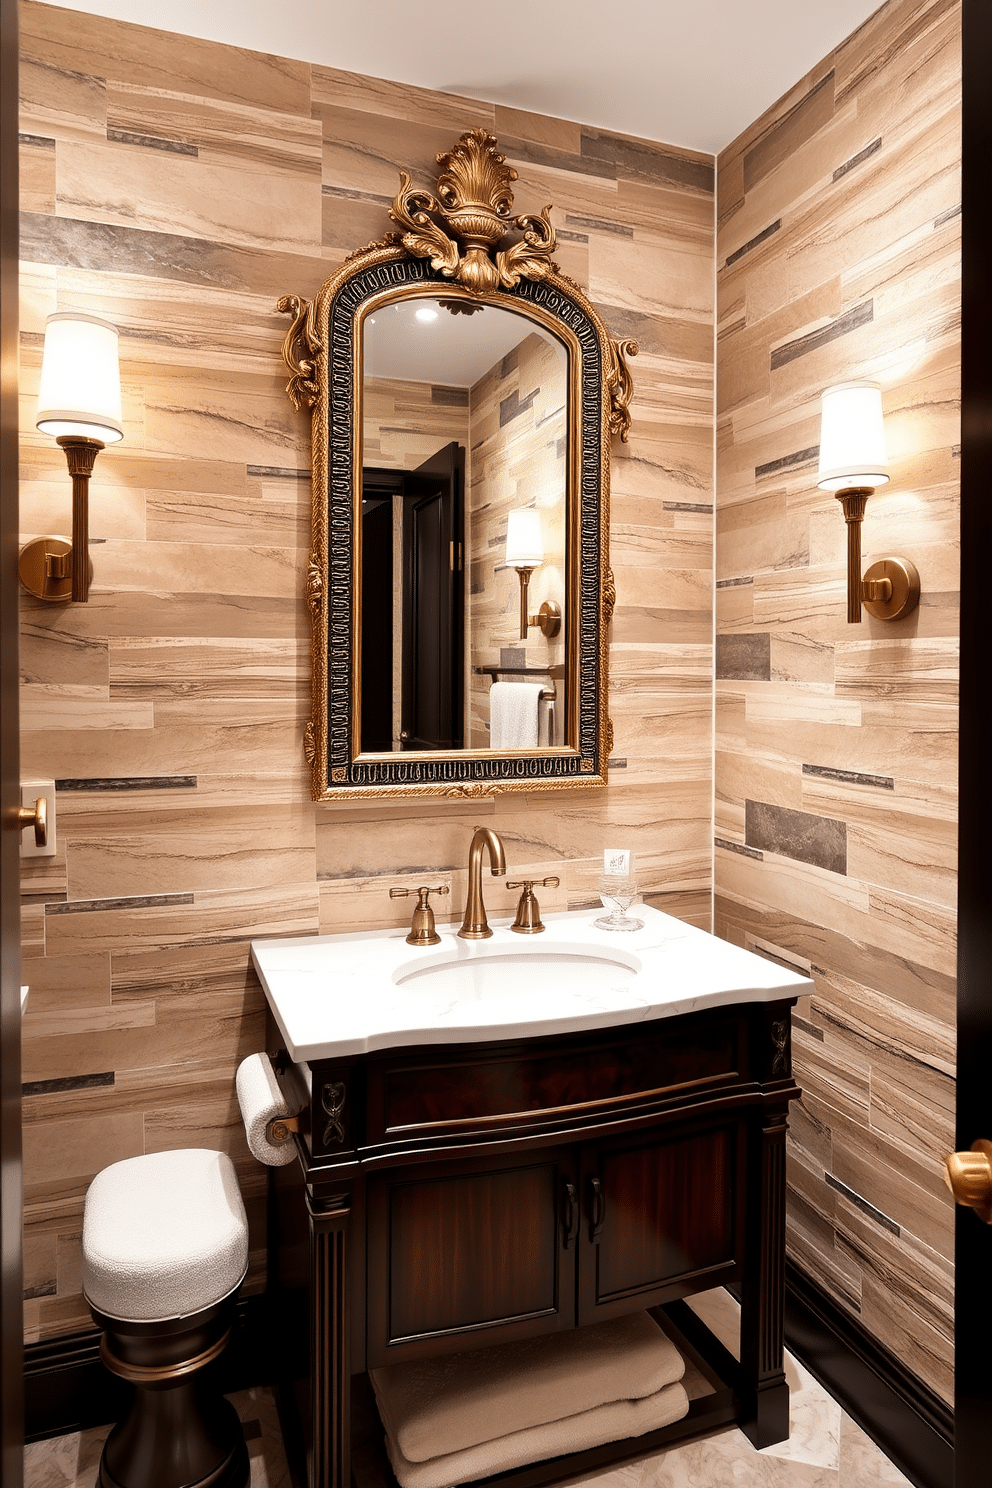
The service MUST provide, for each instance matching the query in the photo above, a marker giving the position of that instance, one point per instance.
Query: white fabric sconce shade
(80, 393)
(524, 544)
(852, 438)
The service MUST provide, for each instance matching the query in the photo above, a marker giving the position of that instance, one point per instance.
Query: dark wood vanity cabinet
(457, 1196)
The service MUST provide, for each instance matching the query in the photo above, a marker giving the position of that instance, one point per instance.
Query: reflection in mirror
(465, 457)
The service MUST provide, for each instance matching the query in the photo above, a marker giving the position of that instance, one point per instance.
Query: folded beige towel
(443, 1406)
(612, 1422)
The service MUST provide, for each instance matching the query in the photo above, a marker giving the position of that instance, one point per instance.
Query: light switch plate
(30, 791)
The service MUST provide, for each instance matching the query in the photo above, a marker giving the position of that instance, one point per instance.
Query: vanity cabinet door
(462, 1255)
(661, 1217)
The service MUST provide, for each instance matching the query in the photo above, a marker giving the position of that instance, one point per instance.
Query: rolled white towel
(260, 1099)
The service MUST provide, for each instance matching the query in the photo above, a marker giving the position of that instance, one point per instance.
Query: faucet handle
(528, 920)
(422, 930)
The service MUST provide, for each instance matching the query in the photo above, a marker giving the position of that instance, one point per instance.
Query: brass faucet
(475, 926)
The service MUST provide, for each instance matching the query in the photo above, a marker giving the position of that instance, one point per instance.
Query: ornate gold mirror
(463, 393)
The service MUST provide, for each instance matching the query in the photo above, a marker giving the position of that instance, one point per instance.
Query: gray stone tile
(746, 657)
(819, 840)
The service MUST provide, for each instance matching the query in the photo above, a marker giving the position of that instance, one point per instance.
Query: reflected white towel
(513, 715)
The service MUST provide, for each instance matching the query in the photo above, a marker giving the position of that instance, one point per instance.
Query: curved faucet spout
(475, 926)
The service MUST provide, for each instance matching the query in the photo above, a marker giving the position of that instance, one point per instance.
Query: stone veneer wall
(179, 187)
(518, 441)
(838, 258)
(404, 423)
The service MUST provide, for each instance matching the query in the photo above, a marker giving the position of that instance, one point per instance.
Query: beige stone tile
(59, 102)
(186, 737)
(257, 139)
(40, 1264)
(42, 711)
(882, 1019)
(903, 669)
(44, 879)
(363, 903)
(185, 1032)
(70, 1264)
(57, 659)
(333, 90)
(79, 1148)
(862, 1463)
(924, 1116)
(59, 982)
(180, 194)
(236, 669)
(36, 178)
(150, 58)
(67, 1021)
(926, 1352)
(69, 1461)
(289, 909)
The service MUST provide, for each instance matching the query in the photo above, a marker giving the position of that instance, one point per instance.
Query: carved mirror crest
(463, 393)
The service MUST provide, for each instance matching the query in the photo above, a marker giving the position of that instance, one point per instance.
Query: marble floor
(825, 1448)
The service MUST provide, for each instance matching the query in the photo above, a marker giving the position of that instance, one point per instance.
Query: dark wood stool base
(179, 1431)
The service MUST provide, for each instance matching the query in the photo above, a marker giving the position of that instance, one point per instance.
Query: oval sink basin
(499, 975)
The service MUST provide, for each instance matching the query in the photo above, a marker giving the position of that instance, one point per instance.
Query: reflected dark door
(378, 489)
(433, 603)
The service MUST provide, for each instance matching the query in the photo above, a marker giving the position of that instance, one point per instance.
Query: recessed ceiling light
(425, 313)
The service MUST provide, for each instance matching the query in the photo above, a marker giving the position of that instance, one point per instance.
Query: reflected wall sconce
(853, 462)
(525, 552)
(79, 402)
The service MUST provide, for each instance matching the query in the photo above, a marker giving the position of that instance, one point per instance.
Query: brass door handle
(35, 816)
(969, 1177)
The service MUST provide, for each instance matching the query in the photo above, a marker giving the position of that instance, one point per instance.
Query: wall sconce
(853, 461)
(525, 552)
(79, 402)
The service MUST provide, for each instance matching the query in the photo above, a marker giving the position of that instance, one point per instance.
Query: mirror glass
(463, 556)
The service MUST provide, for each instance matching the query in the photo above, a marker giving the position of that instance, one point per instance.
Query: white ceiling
(686, 72)
(451, 350)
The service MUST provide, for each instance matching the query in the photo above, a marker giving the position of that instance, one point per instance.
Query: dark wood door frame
(11, 1303)
(973, 1246)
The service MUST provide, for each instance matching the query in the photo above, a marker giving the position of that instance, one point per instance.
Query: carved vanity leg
(763, 1290)
(330, 1375)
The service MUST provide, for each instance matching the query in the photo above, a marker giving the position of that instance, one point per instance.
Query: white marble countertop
(334, 995)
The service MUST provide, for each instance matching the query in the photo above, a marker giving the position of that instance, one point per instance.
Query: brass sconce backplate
(45, 567)
(899, 576)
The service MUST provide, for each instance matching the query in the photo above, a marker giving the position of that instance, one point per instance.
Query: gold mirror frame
(465, 242)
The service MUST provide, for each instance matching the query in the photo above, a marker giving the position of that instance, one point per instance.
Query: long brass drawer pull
(598, 1209)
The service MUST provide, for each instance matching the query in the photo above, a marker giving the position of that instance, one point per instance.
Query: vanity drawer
(431, 1095)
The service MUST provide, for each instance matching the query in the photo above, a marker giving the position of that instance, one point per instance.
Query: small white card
(616, 860)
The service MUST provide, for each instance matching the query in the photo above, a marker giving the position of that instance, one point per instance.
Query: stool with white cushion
(165, 1249)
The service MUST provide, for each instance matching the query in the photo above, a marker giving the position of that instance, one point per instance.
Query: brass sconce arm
(50, 568)
(890, 588)
(548, 617)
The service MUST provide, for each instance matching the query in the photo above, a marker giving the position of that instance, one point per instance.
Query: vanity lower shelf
(447, 1198)
(715, 1402)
